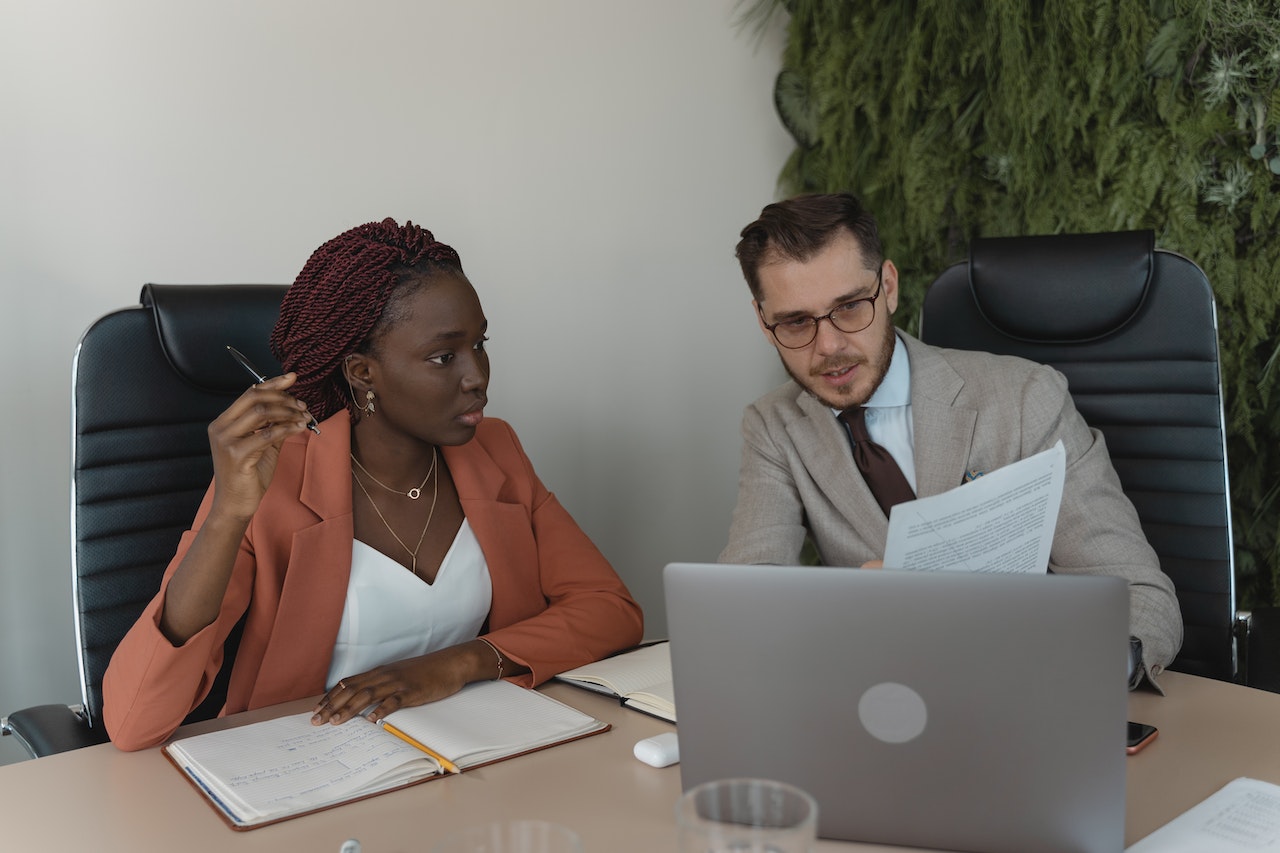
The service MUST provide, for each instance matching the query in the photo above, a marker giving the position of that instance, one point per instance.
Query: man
(824, 296)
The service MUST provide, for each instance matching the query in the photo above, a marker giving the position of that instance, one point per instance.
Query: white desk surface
(101, 799)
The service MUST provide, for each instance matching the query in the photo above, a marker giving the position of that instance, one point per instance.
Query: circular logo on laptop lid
(892, 712)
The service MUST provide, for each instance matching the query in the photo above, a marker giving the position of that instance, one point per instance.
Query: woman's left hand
(403, 684)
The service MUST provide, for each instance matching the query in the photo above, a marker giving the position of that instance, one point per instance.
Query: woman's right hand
(245, 442)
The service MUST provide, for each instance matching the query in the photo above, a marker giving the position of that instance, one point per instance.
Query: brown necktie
(883, 476)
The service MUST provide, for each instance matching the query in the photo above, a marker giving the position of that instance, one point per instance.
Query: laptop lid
(979, 712)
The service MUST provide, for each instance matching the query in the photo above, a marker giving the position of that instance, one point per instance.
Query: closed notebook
(641, 677)
(277, 769)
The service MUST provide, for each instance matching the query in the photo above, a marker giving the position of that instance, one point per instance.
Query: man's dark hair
(801, 227)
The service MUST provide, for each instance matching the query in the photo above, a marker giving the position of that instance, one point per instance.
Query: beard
(878, 365)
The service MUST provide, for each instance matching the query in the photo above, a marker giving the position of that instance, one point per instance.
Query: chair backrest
(1134, 329)
(147, 382)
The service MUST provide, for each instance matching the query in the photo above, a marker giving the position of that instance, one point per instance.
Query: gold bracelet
(496, 652)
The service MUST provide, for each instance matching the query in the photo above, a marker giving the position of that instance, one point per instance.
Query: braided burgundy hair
(334, 306)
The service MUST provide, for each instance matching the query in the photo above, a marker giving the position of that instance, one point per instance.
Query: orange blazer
(557, 603)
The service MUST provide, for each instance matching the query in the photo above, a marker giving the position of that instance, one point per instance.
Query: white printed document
(1243, 815)
(1000, 522)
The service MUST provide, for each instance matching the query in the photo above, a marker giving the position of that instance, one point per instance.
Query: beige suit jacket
(970, 411)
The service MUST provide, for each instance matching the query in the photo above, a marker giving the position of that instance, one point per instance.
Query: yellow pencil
(445, 764)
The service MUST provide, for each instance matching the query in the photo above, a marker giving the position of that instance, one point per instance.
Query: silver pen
(258, 377)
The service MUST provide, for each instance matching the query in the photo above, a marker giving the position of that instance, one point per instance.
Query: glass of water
(746, 816)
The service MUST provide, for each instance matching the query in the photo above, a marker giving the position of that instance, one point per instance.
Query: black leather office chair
(1134, 330)
(147, 381)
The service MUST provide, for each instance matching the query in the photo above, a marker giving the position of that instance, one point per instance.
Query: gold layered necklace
(412, 494)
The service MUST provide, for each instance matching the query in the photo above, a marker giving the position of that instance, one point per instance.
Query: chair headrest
(196, 323)
(1062, 288)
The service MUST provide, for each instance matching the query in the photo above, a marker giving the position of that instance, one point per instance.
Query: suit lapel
(480, 482)
(943, 432)
(823, 446)
(476, 475)
(314, 590)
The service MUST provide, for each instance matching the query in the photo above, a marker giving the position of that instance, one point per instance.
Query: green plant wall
(955, 119)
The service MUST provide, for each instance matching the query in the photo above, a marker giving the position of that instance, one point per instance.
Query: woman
(404, 551)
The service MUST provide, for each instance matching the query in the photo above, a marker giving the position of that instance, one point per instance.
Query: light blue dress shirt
(889, 413)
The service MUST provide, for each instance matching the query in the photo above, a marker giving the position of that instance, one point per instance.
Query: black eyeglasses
(847, 317)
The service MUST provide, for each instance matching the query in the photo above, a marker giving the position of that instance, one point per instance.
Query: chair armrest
(1241, 628)
(1264, 649)
(48, 729)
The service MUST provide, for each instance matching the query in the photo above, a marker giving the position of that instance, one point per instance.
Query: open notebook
(277, 769)
(641, 678)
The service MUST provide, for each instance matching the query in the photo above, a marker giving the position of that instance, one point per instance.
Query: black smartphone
(1140, 734)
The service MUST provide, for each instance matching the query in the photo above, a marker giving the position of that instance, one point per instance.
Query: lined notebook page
(658, 698)
(491, 719)
(280, 764)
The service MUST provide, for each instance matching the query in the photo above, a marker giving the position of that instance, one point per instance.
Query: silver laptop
(980, 712)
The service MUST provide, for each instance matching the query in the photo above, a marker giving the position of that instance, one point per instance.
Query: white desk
(101, 799)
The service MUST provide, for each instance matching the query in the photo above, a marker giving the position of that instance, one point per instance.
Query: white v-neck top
(392, 614)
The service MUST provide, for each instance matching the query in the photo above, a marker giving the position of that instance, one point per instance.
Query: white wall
(592, 162)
